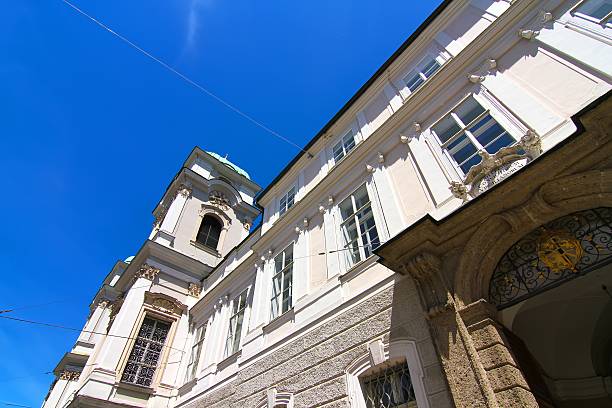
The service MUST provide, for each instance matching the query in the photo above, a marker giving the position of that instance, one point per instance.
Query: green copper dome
(230, 164)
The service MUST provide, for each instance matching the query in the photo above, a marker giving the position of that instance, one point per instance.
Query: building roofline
(356, 96)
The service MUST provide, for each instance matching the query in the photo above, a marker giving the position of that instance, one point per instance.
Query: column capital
(146, 271)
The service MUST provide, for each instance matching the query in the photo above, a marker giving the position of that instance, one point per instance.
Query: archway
(553, 290)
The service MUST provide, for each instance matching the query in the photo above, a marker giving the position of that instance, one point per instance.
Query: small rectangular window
(358, 227)
(196, 352)
(287, 201)
(599, 10)
(232, 344)
(144, 357)
(389, 388)
(343, 146)
(467, 129)
(425, 69)
(282, 282)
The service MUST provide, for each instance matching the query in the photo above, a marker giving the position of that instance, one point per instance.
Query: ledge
(204, 248)
(232, 358)
(358, 268)
(135, 387)
(279, 320)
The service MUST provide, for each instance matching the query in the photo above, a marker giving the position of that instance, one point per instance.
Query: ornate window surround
(157, 306)
(219, 214)
(381, 353)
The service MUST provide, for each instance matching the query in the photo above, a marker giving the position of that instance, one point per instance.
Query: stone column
(475, 354)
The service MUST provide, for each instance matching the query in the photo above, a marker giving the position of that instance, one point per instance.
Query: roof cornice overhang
(188, 176)
(439, 237)
(190, 268)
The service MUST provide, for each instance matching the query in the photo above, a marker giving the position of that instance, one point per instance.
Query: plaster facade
(377, 244)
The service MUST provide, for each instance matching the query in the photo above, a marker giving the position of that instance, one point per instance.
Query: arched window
(209, 232)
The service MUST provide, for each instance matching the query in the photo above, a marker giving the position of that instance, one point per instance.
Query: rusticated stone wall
(313, 367)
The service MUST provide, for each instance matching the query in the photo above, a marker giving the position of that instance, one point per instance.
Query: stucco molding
(146, 271)
(164, 303)
(194, 289)
(426, 269)
(494, 236)
(69, 375)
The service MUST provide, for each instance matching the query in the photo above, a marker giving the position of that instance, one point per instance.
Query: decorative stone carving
(404, 139)
(297, 230)
(194, 289)
(147, 272)
(370, 169)
(164, 303)
(377, 352)
(70, 375)
(459, 190)
(218, 199)
(493, 168)
(321, 209)
(184, 190)
(104, 303)
(415, 127)
(380, 157)
(425, 269)
(305, 222)
(475, 79)
(330, 200)
(528, 34)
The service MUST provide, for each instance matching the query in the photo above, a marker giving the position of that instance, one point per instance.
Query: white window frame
(505, 119)
(361, 245)
(340, 141)
(604, 22)
(433, 53)
(283, 208)
(286, 268)
(197, 345)
(238, 308)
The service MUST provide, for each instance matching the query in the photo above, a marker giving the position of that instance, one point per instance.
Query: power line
(57, 326)
(11, 404)
(187, 79)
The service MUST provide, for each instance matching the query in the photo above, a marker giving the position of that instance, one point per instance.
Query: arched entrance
(553, 291)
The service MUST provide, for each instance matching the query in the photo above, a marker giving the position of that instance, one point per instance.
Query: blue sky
(92, 132)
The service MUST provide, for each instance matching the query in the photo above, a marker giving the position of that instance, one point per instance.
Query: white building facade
(301, 311)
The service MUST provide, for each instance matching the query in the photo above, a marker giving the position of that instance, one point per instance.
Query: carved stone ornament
(104, 303)
(321, 209)
(164, 303)
(380, 157)
(426, 270)
(184, 190)
(404, 139)
(330, 200)
(146, 271)
(218, 199)
(115, 307)
(194, 289)
(246, 223)
(493, 168)
(370, 168)
(70, 375)
(528, 34)
(459, 190)
(297, 230)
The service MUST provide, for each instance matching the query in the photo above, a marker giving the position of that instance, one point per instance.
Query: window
(425, 69)
(358, 226)
(144, 356)
(232, 344)
(282, 282)
(344, 145)
(286, 201)
(209, 232)
(196, 352)
(391, 388)
(467, 129)
(598, 10)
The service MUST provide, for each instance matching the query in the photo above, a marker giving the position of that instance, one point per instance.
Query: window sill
(135, 387)
(227, 361)
(279, 320)
(204, 248)
(358, 268)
